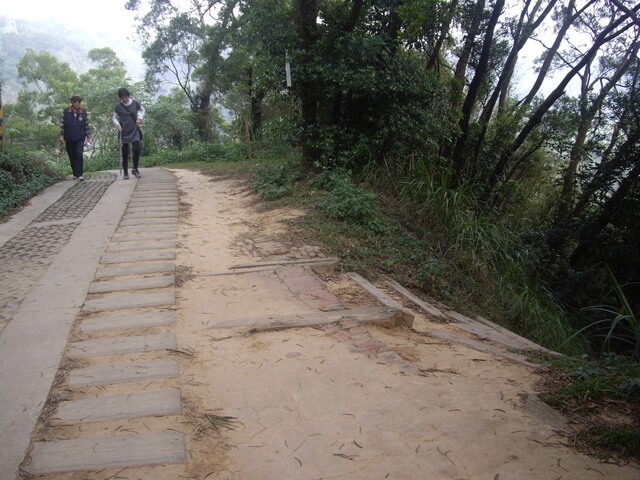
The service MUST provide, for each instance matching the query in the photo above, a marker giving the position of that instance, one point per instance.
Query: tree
(188, 45)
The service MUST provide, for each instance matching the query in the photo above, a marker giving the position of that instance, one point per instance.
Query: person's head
(76, 100)
(123, 94)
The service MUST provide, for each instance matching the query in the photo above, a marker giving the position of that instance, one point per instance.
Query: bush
(347, 202)
(22, 175)
(276, 181)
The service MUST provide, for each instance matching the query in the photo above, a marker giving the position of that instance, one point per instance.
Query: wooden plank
(97, 453)
(275, 322)
(140, 404)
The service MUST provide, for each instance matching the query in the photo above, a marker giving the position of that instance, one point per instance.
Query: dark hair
(123, 92)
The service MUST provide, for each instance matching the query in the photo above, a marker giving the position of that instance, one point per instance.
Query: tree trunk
(605, 36)
(474, 88)
(591, 232)
(307, 14)
(434, 58)
(500, 92)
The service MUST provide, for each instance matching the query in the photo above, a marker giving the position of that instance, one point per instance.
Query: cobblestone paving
(26, 257)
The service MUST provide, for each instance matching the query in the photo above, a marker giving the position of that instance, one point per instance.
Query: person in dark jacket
(74, 131)
(127, 117)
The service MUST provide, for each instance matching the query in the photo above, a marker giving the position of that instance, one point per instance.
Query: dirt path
(342, 400)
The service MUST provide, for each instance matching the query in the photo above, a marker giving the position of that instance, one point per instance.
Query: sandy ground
(305, 403)
(342, 401)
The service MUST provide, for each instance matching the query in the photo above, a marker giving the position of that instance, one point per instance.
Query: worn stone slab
(300, 261)
(308, 288)
(143, 404)
(151, 208)
(149, 221)
(97, 453)
(382, 297)
(544, 413)
(123, 344)
(148, 228)
(144, 256)
(124, 373)
(136, 269)
(278, 322)
(139, 300)
(169, 195)
(427, 307)
(481, 346)
(157, 202)
(145, 215)
(141, 245)
(144, 236)
(132, 284)
(138, 320)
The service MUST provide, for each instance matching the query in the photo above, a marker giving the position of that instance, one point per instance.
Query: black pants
(125, 156)
(75, 151)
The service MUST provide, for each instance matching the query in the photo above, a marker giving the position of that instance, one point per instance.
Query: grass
(602, 400)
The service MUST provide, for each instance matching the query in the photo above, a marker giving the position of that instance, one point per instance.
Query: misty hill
(68, 42)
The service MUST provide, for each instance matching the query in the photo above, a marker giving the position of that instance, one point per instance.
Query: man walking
(74, 131)
(127, 117)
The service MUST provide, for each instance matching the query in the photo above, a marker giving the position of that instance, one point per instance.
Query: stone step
(144, 256)
(141, 245)
(139, 320)
(97, 453)
(132, 284)
(136, 269)
(124, 344)
(141, 404)
(139, 300)
(123, 373)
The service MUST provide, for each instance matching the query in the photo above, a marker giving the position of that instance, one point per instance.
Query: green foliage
(589, 385)
(347, 202)
(623, 441)
(619, 329)
(21, 177)
(276, 181)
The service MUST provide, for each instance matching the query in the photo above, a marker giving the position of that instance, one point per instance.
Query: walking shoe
(75, 178)
(136, 173)
(125, 176)
(81, 178)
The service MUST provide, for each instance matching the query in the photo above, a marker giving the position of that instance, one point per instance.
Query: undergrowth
(601, 398)
(22, 175)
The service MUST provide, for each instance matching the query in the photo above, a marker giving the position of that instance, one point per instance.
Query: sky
(107, 15)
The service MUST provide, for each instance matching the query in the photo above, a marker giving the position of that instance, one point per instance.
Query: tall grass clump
(488, 267)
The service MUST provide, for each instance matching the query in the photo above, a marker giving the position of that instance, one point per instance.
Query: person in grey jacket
(74, 131)
(127, 117)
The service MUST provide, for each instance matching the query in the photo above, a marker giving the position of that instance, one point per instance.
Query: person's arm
(140, 114)
(116, 121)
(61, 134)
(87, 131)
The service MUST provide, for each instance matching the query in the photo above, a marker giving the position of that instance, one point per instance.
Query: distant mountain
(68, 43)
